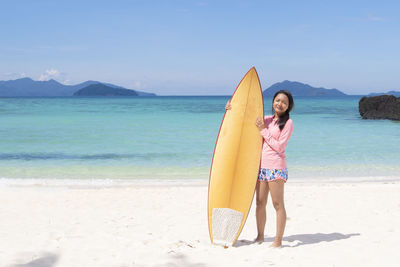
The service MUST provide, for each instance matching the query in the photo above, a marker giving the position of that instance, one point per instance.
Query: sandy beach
(165, 224)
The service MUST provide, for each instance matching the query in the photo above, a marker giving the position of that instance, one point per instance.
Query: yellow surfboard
(235, 163)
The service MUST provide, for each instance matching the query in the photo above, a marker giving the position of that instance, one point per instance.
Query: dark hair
(285, 117)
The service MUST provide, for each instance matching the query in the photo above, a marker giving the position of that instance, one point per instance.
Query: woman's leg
(277, 189)
(261, 202)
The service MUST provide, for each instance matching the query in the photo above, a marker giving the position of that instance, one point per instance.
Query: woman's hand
(228, 105)
(260, 124)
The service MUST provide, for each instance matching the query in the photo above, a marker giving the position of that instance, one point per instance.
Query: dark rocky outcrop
(380, 107)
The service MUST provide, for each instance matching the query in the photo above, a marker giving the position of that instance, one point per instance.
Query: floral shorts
(272, 174)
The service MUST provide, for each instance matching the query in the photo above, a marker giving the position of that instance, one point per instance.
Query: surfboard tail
(225, 226)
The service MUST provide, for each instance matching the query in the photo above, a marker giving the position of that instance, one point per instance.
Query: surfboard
(235, 163)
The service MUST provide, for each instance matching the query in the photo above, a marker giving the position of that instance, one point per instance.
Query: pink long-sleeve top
(275, 141)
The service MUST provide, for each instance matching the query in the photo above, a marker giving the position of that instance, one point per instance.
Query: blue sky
(203, 47)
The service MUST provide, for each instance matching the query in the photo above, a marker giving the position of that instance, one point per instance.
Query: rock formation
(380, 107)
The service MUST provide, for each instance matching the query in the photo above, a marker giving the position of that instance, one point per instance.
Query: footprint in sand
(181, 243)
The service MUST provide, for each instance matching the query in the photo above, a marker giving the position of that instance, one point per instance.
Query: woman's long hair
(285, 117)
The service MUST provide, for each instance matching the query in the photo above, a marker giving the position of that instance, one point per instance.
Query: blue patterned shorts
(272, 174)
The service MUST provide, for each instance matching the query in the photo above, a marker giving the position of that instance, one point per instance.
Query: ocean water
(174, 138)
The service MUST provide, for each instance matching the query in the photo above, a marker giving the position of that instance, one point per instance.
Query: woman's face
(281, 104)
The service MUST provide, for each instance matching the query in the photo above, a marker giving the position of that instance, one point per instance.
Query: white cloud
(67, 82)
(49, 74)
(15, 74)
(132, 84)
(202, 3)
(374, 18)
(138, 84)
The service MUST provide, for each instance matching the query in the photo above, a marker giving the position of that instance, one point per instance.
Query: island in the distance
(26, 87)
(301, 89)
(100, 89)
(394, 93)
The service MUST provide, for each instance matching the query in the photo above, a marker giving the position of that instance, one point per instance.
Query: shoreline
(116, 183)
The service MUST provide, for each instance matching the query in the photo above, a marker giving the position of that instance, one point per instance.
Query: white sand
(329, 224)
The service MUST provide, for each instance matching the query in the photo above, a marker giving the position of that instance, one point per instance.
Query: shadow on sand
(303, 239)
(45, 260)
(178, 260)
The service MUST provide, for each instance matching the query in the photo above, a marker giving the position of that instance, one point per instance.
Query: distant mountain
(29, 87)
(301, 89)
(395, 93)
(100, 89)
(140, 93)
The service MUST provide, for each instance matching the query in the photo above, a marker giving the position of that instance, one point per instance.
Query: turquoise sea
(174, 137)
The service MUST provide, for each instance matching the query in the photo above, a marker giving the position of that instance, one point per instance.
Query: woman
(276, 131)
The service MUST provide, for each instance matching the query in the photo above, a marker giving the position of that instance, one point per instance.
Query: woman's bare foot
(259, 239)
(276, 244)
